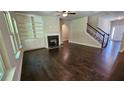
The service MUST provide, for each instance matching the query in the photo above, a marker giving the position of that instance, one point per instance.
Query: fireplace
(53, 41)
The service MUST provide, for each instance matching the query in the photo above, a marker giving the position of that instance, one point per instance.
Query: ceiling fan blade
(59, 11)
(58, 14)
(72, 13)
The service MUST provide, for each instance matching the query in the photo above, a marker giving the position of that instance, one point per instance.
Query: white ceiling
(109, 15)
(113, 15)
(54, 13)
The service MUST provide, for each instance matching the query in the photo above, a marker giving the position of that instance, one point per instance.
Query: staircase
(98, 34)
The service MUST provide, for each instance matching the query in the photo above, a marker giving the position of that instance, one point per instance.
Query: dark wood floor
(74, 62)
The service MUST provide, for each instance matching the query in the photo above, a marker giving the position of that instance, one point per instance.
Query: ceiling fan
(65, 13)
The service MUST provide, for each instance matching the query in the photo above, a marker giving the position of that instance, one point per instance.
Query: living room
(31, 40)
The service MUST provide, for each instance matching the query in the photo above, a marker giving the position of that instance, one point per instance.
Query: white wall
(64, 30)
(51, 27)
(51, 24)
(104, 24)
(122, 44)
(93, 20)
(117, 32)
(99, 21)
(79, 35)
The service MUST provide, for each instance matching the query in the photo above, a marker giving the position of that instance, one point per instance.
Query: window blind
(30, 26)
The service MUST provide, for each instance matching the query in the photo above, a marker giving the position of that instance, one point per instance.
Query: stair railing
(101, 36)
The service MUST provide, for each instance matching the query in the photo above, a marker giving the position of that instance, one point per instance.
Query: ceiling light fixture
(65, 14)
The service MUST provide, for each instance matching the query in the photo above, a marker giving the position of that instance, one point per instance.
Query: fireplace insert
(53, 41)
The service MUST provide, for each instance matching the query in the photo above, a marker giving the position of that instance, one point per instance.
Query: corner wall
(99, 21)
(93, 20)
(104, 24)
(79, 35)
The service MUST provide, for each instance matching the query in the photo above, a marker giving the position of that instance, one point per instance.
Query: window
(31, 29)
(30, 26)
(2, 69)
(13, 32)
(17, 33)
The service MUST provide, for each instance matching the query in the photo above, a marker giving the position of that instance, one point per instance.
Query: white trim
(85, 44)
(34, 49)
(2, 68)
(51, 34)
(18, 55)
(10, 74)
(17, 74)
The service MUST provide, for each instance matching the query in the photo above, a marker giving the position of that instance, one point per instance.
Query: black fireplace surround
(53, 41)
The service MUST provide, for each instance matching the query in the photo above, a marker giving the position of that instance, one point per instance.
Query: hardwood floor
(74, 62)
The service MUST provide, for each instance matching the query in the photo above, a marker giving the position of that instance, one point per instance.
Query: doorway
(64, 31)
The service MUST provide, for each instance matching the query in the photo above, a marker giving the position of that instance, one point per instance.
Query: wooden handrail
(103, 31)
(95, 29)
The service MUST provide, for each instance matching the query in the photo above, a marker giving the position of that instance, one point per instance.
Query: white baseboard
(85, 44)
